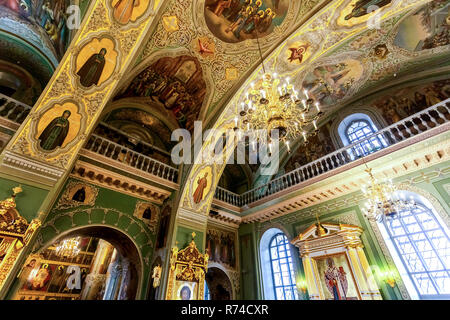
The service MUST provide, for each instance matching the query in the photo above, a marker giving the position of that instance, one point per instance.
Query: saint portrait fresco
(202, 183)
(410, 100)
(76, 194)
(332, 82)
(58, 126)
(427, 28)
(176, 84)
(55, 133)
(96, 62)
(336, 278)
(237, 20)
(147, 213)
(125, 11)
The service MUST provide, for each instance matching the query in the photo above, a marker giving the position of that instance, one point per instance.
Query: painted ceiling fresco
(177, 84)
(238, 20)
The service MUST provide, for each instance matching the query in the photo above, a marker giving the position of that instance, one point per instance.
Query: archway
(219, 285)
(88, 263)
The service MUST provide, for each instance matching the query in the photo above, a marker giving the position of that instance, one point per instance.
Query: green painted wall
(184, 237)
(111, 209)
(28, 201)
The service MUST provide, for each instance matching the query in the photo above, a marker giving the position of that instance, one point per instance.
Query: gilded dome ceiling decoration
(183, 25)
(176, 83)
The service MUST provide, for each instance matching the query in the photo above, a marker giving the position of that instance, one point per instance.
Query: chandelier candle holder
(384, 200)
(68, 248)
(276, 105)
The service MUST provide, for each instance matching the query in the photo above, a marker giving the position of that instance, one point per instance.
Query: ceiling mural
(184, 25)
(427, 28)
(238, 20)
(177, 84)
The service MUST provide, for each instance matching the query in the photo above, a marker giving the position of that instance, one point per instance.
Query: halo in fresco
(237, 20)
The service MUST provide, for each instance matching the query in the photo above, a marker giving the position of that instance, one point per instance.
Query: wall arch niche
(219, 284)
(107, 267)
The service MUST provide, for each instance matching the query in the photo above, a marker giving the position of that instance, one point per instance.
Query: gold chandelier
(68, 248)
(384, 199)
(274, 104)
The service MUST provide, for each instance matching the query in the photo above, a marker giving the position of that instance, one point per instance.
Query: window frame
(361, 149)
(407, 272)
(290, 267)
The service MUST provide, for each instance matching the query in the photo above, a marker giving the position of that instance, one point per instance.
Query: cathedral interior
(111, 112)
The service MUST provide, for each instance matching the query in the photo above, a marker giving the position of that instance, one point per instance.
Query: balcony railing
(13, 110)
(228, 196)
(427, 119)
(119, 153)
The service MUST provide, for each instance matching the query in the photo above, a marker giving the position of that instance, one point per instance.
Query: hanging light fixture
(68, 248)
(384, 199)
(273, 103)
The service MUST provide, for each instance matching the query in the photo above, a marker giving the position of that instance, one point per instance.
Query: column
(95, 280)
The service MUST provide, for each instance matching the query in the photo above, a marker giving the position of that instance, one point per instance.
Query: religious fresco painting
(176, 84)
(201, 185)
(58, 126)
(410, 100)
(221, 248)
(336, 278)
(360, 11)
(331, 82)
(96, 62)
(125, 11)
(50, 15)
(237, 20)
(147, 213)
(427, 28)
(76, 194)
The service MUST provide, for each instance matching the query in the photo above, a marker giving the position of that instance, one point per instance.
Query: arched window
(422, 244)
(357, 127)
(283, 274)
(359, 130)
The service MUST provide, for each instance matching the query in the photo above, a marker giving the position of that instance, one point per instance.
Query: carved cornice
(114, 181)
(20, 166)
